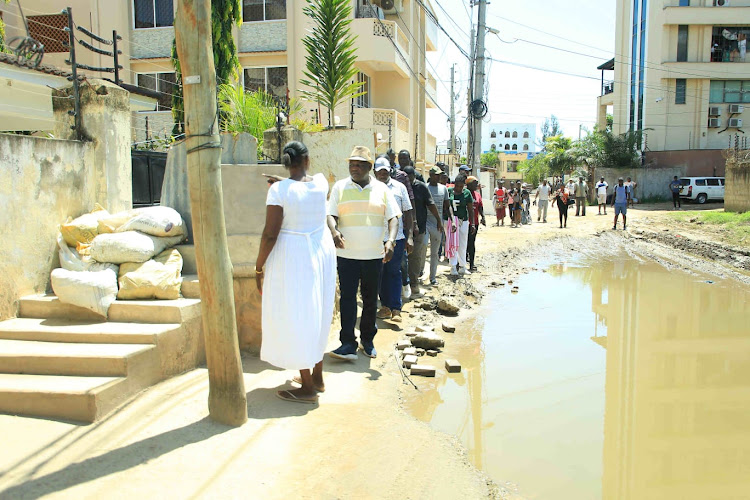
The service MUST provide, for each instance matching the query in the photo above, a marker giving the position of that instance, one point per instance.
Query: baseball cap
(464, 168)
(436, 170)
(381, 163)
(361, 153)
(471, 178)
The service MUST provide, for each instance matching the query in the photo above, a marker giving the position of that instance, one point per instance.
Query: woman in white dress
(299, 281)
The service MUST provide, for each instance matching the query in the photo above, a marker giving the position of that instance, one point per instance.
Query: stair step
(64, 397)
(58, 358)
(191, 288)
(124, 311)
(63, 330)
(188, 259)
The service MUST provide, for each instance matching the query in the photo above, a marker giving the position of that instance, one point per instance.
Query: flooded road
(614, 379)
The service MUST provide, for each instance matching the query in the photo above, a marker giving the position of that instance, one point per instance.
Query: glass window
(159, 82)
(153, 13)
(680, 91)
(725, 46)
(684, 182)
(493, 134)
(525, 135)
(493, 147)
(732, 90)
(363, 101)
(272, 80)
(512, 166)
(722, 181)
(684, 3)
(700, 182)
(507, 147)
(515, 147)
(255, 79)
(526, 147)
(263, 10)
(515, 135)
(507, 134)
(682, 43)
(717, 91)
(713, 182)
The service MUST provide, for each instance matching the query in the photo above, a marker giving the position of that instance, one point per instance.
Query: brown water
(613, 379)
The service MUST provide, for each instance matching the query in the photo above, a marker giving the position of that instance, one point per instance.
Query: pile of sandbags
(132, 248)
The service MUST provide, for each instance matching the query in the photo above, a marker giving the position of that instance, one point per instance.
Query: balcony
(375, 45)
(392, 126)
(712, 70)
(431, 35)
(430, 85)
(706, 14)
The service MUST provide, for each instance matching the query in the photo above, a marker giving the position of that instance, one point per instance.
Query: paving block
(403, 344)
(452, 366)
(420, 351)
(423, 370)
(410, 360)
(409, 351)
(432, 353)
(448, 328)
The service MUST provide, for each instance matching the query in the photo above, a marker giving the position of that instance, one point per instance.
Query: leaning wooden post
(227, 402)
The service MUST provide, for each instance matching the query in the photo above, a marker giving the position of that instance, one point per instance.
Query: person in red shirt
(478, 216)
(500, 201)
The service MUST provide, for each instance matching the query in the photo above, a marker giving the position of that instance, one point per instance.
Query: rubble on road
(427, 340)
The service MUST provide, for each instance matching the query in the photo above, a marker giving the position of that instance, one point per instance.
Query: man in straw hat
(359, 208)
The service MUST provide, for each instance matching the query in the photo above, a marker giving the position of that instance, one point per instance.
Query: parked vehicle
(702, 189)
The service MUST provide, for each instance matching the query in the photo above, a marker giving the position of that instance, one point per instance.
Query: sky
(518, 94)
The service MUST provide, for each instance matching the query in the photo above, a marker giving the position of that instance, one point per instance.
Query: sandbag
(159, 278)
(112, 222)
(72, 260)
(83, 229)
(156, 221)
(94, 291)
(130, 246)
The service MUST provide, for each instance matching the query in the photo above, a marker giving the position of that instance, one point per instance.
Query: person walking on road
(477, 217)
(675, 186)
(391, 279)
(423, 205)
(542, 192)
(581, 194)
(620, 199)
(435, 226)
(461, 205)
(298, 256)
(631, 184)
(601, 195)
(562, 196)
(499, 200)
(359, 207)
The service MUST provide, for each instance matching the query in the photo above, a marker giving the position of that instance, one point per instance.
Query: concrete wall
(42, 182)
(330, 149)
(694, 162)
(652, 182)
(737, 191)
(263, 36)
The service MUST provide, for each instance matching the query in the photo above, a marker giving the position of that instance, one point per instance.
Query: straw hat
(361, 153)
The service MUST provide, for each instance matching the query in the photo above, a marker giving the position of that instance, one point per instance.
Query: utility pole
(227, 401)
(469, 94)
(453, 113)
(479, 84)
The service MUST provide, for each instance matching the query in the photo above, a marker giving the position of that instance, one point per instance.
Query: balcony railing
(608, 87)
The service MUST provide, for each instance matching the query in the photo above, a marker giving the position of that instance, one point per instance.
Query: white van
(702, 189)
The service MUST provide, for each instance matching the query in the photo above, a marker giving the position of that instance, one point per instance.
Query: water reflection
(669, 419)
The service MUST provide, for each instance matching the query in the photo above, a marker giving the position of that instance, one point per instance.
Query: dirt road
(357, 443)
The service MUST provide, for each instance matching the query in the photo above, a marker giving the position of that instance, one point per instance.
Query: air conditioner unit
(391, 6)
(714, 111)
(714, 122)
(721, 3)
(736, 108)
(735, 122)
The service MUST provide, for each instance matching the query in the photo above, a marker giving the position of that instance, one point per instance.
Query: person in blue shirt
(675, 186)
(620, 199)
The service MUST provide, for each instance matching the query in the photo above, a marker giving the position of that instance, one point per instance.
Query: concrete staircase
(62, 361)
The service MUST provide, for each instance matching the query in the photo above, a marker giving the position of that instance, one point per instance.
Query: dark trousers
(357, 275)
(676, 200)
(471, 248)
(563, 208)
(391, 276)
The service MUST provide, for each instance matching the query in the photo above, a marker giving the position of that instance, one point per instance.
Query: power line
(434, 19)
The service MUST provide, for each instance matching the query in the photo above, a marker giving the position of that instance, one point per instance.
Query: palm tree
(330, 69)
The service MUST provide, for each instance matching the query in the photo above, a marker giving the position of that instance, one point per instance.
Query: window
(493, 147)
(512, 166)
(271, 80)
(682, 43)
(525, 147)
(515, 147)
(684, 3)
(49, 30)
(363, 101)
(493, 135)
(700, 182)
(680, 91)
(515, 135)
(684, 182)
(160, 82)
(507, 147)
(713, 182)
(525, 135)
(153, 13)
(725, 43)
(722, 181)
(507, 134)
(730, 91)
(263, 10)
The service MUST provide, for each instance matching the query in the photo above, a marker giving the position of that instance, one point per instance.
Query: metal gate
(148, 177)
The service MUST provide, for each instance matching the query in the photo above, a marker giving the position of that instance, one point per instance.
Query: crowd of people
(372, 230)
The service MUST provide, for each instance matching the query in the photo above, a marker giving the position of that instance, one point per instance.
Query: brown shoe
(396, 316)
(384, 313)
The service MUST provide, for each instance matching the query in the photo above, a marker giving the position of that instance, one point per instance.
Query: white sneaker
(466, 271)
(454, 272)
(406, 291)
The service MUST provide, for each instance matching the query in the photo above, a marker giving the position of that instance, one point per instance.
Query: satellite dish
(387, 4)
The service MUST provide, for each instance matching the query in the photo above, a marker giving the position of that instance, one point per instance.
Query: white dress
(300, 277)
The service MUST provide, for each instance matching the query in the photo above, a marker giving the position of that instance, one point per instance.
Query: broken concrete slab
(410, 360)
(420, 351)
(425, 328)
(432, 352)
(410, 334)
(428, 340)
(447, 307)
(403, 344)
(452, 366)
(448, 328)
(409, 351)
(423, 370)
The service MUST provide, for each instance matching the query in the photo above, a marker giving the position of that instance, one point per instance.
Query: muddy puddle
(614, 379)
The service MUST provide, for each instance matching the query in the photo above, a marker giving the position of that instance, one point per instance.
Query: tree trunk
(227, 401)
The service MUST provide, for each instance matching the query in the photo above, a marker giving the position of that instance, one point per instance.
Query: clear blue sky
(518, 94)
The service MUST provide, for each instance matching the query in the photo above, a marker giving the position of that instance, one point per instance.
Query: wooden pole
(227, 401)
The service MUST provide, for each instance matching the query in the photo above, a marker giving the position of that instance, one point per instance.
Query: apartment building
(680, 75)
(391, 46)
(513, 137)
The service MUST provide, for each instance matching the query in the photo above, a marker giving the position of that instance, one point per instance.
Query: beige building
(508, 163)
(391, 47)
(681, 74)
